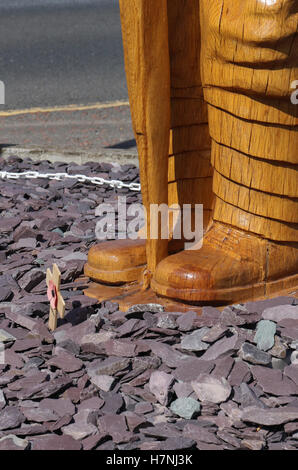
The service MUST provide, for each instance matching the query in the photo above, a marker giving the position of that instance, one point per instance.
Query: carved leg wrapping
(190, 170)
(248, 70)
(249, 60)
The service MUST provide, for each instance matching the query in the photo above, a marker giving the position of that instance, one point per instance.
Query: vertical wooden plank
(146, 52)
(52, 319)
(56, 276)
(61, 306)
(49, 276)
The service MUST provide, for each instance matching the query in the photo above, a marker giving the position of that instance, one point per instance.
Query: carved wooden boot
(188, 159)
(251, 248)
(148, 82)
(232, 266)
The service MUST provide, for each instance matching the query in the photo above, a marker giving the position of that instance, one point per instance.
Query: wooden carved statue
(210, 84)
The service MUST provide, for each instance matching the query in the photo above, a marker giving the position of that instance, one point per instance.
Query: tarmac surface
(61, 52)
(71, 129)
(63, 70)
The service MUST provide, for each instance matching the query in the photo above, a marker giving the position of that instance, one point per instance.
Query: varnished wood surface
(121, 261)
(239, 59)
(174, 113)
(116, 262)
(232, 266)
(132, 294)
(249, 60)
(145, 37)
(55, 278)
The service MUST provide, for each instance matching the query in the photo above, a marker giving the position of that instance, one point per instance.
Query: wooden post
(57, 304)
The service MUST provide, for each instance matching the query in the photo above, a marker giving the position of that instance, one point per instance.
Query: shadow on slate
(78, 315)
(126, 144)
(3, 146)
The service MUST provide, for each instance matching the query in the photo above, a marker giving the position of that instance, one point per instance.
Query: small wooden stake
(57, 304)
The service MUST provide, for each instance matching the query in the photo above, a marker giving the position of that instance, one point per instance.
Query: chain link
(81, 178)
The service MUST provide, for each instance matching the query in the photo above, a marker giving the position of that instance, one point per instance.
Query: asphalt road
(60, 52)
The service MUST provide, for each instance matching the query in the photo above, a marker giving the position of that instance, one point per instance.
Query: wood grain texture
(162, 59)
(232, 266)
(248, 62)
(145, 38)
(250, 52)
(249, 171)
(238, 58)
(55, 278)
(190, 171)
(256, 202)
(130, 294)
(116, 262)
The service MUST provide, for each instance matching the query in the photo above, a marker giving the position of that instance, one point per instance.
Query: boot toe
(116, 261)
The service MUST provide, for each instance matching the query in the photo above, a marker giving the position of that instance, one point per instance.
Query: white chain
(81, 178)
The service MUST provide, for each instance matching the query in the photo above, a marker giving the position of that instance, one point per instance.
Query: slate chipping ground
(144, 379)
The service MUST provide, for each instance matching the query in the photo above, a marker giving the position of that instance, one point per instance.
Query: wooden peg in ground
(57, 304)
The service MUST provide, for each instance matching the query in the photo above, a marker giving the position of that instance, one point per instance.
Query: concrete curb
(121, 157)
